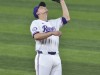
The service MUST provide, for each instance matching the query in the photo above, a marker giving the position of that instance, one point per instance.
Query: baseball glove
(58, 1)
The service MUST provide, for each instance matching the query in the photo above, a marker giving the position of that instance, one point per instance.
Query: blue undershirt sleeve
(64, 21)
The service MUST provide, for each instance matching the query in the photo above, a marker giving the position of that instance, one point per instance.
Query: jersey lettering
(48, 29)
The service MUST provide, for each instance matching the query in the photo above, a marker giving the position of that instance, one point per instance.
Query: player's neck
(43, 18)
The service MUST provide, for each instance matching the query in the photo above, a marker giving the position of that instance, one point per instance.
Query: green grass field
(79, 44)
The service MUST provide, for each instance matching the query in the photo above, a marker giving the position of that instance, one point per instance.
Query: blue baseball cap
(37, 7)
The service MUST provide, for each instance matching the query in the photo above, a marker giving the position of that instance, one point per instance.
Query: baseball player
(46, 34)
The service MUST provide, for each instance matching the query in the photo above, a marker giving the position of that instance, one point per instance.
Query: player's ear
(37, 13)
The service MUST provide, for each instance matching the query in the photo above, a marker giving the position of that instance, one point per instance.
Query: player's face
(42, 10)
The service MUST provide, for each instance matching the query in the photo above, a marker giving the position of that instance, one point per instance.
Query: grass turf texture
(79, 44)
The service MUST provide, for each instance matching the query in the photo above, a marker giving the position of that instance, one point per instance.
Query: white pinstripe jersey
(50, 44)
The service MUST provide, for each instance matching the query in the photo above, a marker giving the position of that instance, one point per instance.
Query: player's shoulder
(35, 21)
(55, 20)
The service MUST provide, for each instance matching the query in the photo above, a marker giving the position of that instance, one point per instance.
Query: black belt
(51, 53)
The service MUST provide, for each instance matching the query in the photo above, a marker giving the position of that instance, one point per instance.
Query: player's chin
(46, 12)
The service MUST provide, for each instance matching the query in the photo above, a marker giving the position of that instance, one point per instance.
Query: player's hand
(56, 33)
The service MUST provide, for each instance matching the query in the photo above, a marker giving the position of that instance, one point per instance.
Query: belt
(51, 53)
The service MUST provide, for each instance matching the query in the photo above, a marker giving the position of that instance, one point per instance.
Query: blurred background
(79, 44)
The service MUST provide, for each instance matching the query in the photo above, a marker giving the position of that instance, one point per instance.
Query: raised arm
(65, 10)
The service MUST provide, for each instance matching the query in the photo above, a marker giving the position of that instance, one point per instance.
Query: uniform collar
(42, 20)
